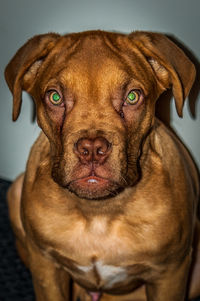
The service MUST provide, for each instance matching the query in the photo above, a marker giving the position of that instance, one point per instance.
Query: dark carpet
(15, 279)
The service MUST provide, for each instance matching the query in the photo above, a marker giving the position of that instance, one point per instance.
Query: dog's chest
(94, 255)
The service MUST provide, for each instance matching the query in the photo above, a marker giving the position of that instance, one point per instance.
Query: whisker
(113, 193)
(123, 180)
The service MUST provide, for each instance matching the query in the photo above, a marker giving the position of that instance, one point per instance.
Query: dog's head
(95, 95)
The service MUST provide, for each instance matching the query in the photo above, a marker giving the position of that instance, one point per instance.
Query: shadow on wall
(163, 104)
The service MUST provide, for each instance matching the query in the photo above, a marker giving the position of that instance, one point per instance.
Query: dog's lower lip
(92, 180)
(92, 187)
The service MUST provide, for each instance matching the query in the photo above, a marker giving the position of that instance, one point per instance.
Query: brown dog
(109, 196)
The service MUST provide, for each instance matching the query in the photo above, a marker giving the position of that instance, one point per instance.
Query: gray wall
(21, 19)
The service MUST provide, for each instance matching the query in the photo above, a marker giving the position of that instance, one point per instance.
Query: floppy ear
(171, 66)
(22, 70)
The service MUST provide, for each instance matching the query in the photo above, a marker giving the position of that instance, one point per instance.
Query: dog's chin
(94, 188)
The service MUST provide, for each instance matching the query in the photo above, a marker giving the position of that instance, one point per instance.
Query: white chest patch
(109, 274)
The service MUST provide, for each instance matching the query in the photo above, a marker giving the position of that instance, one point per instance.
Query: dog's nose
(93, 150)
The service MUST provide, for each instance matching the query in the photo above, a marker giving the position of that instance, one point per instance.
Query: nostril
(83, 147)
(85, 152)
(100, 151)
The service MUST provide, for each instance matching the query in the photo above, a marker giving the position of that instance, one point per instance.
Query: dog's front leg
(50, 282)
(172, 284)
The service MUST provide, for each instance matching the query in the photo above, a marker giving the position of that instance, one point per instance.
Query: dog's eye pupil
(55, 98)
(133, 97)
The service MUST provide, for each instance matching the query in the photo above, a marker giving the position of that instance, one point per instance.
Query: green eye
(133, 97)
(55, 98)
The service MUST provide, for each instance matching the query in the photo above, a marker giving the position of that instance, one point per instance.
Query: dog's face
(102, 110)
(95, 96)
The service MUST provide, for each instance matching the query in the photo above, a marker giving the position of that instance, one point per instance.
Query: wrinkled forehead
(97, 61)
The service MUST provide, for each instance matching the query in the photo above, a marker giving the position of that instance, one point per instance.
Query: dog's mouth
(92, 181)
(94, 187)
